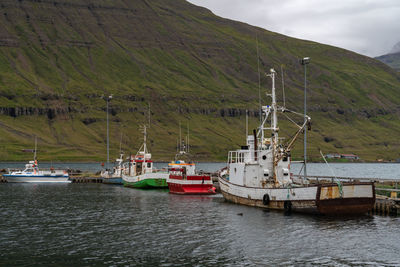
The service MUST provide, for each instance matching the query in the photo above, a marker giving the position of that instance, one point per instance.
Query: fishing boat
(183, 178)
(114, 176)
(139, 172)
(259, 174)
(32, 174)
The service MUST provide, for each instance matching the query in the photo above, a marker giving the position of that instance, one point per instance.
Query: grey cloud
(367, 27)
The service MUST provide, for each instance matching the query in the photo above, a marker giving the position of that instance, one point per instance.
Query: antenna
(187, 142)
(283, 87)
(259, 81)
(180, 136)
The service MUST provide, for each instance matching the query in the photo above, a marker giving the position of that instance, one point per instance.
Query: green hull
(148, 183)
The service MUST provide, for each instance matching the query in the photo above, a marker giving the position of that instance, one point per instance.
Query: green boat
(147, 180)
(139, 171)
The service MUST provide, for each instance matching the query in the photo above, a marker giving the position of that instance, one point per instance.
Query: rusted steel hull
(306, 206)
(357, 198)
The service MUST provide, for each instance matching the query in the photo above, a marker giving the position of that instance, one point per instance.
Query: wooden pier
(80, 179)
(386, 206)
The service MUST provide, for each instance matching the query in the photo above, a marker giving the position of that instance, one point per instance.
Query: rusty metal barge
(259, 174)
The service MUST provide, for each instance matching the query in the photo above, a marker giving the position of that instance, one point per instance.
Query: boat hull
(357, 198)
(191, 186)
(147, 180)
(36, 179)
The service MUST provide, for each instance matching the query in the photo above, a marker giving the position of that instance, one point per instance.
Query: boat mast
(274, 127)
(144, 141)
(108, 141)
(304, 62)
(247, 125)
(34, 153)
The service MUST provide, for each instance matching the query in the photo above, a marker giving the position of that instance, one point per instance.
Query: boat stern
(345, 198)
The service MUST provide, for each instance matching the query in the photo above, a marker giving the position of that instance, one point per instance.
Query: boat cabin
(181, 168)
(140, 164)
(252, 167)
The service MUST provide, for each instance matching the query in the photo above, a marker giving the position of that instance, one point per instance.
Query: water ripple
(94, 224)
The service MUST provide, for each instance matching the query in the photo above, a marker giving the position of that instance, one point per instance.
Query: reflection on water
(95, 224)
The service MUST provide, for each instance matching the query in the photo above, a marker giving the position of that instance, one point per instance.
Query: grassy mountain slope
(59, 57)
(393, 60)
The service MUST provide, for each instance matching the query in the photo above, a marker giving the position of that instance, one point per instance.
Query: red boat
(184, 180)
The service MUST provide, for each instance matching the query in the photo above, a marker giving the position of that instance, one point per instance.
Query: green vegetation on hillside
(58, 58)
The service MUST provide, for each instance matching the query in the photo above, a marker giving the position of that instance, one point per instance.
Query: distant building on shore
(349, 156)
(333, 156)
(28, 150)
(342, 156)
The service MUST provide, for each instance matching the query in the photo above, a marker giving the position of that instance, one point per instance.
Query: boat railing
(50, 170)
(235, 157)
(319, 178)
(243, 156)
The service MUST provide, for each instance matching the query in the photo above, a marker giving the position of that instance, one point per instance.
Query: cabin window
(149, 165)
(264, 157)
(235, 170)
(285, 158)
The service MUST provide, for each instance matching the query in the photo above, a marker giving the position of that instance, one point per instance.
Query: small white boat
(114, 176)
(32, 174)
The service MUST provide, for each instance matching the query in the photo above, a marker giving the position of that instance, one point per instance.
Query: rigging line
(291, 120)
(302, 166)
(333, 173)
(120, 144)
(283, 87)
(259, 81)
(294, 112)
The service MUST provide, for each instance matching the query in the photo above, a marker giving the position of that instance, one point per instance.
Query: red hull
(199, 185)
(191, 189)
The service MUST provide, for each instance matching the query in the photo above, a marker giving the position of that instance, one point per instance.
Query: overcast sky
(367, 27)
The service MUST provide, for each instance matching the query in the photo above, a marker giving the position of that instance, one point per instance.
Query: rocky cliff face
(59, 58)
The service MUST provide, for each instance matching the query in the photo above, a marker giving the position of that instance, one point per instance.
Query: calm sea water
(105, 225)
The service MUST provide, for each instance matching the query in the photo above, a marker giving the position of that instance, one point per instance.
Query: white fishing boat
(139, 172)
(259, 174)
(32, 174)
